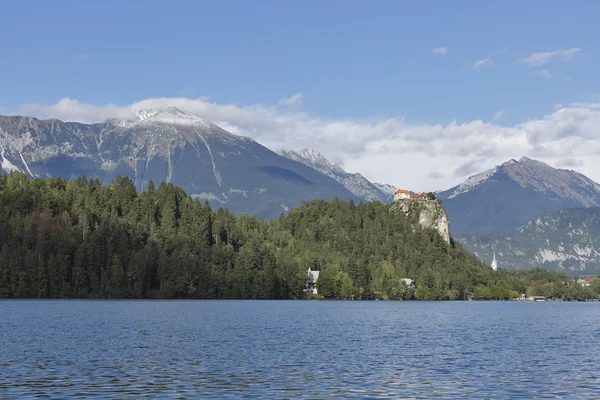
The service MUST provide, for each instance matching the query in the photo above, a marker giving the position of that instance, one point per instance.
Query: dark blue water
(291, 349)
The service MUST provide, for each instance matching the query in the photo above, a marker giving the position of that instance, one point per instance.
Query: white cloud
(484, 62)
(293, 101)
(420, 157)
(594, 106)
(542, 58)
(544, 73)
(442, 51)
(497, 115)
(72, 110)
(435, 175)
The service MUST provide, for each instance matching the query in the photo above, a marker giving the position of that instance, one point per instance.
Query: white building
(311, 282)
(408, 282)
(401, 195)
(494, 263)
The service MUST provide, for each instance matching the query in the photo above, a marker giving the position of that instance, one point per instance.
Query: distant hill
(167, 145)
(507, 196)
(566, 240)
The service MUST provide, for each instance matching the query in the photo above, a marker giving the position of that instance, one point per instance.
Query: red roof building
(405, 194)
(401, 194)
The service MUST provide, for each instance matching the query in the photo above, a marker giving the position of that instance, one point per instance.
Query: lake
(292, 349)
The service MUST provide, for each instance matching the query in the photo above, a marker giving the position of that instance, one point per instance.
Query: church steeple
(494, 264)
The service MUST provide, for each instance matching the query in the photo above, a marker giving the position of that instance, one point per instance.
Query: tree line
(80, 239)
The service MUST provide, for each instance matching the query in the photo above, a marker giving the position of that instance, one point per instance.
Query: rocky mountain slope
(427, 213)
(507, 196)
(386, 189)
(167, 146)
(566, 240)
(355, 183)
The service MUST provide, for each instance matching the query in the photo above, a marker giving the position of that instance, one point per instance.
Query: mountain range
(567, 240)
(355, 183)
(502, 199)
(167, 145)
(521, 209)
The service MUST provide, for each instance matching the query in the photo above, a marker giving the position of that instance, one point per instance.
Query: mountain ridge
(167, 145)
(565, 240)
(354, 182)
(503, 198)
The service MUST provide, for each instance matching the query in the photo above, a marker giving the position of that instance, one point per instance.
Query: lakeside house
(311, 282)
(408, 282)
(402, 194)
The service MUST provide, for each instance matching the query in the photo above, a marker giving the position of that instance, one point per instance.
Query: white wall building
(401, 195)
(311, 282)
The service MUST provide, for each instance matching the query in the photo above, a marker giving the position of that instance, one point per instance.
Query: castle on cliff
(402, 194)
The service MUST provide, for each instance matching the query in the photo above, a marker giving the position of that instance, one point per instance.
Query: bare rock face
(431, 215)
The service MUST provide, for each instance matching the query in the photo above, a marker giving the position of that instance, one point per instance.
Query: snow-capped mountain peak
(314, 159)
(504, 197)
(166, 145)
(314, 155)
(385, 188)
(525, 171)
(355, 183)
(170, 115)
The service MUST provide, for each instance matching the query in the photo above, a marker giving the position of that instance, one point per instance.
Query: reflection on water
(290, 349)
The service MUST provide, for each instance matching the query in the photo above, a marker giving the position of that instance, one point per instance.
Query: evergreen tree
(82, 239)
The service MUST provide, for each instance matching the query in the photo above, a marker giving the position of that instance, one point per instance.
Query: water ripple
(317, 350)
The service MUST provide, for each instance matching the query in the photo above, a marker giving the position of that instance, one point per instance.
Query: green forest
(80, 239)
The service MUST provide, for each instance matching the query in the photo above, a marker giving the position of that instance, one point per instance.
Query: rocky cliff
(429, 214)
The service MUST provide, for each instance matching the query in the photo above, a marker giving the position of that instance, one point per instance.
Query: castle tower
(494, 263)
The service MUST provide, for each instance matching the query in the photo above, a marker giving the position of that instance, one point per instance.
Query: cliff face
(429, 214)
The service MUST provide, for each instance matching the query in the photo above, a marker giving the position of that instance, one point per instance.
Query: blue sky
(365, 61)
(349, 58)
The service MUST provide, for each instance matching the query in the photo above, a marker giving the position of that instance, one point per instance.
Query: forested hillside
(81, 239)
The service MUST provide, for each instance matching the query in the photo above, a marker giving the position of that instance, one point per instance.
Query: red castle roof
(412, 196)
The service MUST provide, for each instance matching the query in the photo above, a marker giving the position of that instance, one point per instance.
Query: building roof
(402, 191)
(313, 276)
